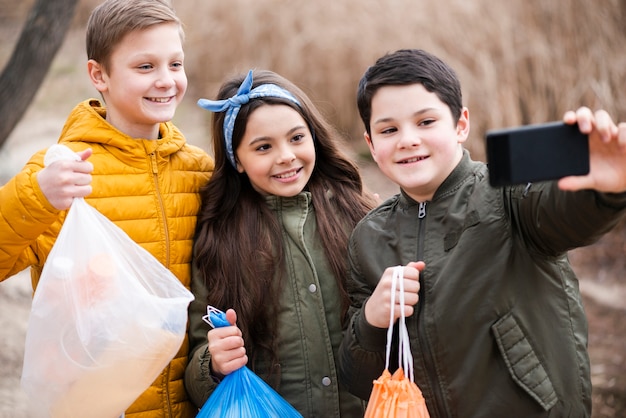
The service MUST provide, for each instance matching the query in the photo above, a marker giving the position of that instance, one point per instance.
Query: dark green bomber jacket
(499, 329)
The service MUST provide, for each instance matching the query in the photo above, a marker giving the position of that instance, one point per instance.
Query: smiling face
(414, 139)
(276, 151)
(145, 80)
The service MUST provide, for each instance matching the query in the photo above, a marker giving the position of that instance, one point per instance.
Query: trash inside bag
(106, 319)
(397, 395)
(243, 394)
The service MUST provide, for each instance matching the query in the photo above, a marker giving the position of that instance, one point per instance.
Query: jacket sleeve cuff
(369, 337)
(613, 200)
(198, 379)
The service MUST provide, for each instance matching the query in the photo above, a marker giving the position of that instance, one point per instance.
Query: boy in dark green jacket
(499, 329)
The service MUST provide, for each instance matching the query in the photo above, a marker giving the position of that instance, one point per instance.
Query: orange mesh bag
(397, 395)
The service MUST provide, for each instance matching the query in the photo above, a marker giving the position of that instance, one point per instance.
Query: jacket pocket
(522, 361)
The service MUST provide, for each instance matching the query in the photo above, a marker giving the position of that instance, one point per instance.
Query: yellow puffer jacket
(149, 188)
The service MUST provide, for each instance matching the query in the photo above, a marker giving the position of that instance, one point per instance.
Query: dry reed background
(519, 62)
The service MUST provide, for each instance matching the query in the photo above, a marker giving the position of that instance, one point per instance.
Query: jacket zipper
(421, 328)
(155, 176)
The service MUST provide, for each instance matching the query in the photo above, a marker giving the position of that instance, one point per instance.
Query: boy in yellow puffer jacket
(136, 167)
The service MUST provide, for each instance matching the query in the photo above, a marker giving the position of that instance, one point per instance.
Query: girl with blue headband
(271, 247)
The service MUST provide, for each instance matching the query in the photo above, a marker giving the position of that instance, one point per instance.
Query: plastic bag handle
(215, 317)
(405, 359)
(58, 152)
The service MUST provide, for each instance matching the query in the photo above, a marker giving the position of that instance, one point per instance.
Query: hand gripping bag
(243, 394)
(106, 319)
(397, 395)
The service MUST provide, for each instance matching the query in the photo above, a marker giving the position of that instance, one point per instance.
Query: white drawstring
(405, 359)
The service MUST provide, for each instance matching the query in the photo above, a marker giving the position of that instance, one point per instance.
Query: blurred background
(519, 62)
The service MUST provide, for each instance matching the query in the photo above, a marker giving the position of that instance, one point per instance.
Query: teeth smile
(412, 160)
(286, 175)
(160, 99)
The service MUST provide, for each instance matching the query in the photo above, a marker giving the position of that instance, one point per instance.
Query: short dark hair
(409, 66)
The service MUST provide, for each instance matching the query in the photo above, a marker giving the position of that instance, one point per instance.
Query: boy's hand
(607, 152)
(227, 347)
(378, 306)
(63, 180)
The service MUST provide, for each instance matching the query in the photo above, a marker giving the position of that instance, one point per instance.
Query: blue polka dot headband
(232, 105)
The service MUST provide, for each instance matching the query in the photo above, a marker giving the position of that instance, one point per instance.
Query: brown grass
(519, 61)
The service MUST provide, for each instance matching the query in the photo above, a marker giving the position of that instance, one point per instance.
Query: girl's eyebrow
(295, 129)
(259, 139)
(267, 138)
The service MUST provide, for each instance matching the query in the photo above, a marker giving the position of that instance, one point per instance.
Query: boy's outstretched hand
(607, 152)
(63, 180)
(378, 306)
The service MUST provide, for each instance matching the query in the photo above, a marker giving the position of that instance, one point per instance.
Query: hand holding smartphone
(533, 153)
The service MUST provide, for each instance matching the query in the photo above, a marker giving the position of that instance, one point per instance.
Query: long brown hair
(238, 248)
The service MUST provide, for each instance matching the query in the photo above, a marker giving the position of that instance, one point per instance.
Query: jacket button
(326, 381)
(312, 288)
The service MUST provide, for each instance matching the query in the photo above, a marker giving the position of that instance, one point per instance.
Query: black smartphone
(532, 153)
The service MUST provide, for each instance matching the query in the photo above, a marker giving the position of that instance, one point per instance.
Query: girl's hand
(607, 152)
(226, 346)
(378, 306)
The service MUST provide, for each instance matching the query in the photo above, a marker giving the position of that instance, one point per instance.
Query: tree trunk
(39, 41)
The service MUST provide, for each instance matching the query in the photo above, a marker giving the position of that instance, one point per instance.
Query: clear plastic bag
(243, 394)
(106, 319)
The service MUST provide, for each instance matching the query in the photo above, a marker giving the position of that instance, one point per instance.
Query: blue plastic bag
(243, 394)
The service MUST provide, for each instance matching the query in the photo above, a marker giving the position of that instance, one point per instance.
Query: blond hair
(112, 20)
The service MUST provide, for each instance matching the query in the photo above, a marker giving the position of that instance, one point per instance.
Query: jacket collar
(87, 124)
(455, 179)
(302, 199)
